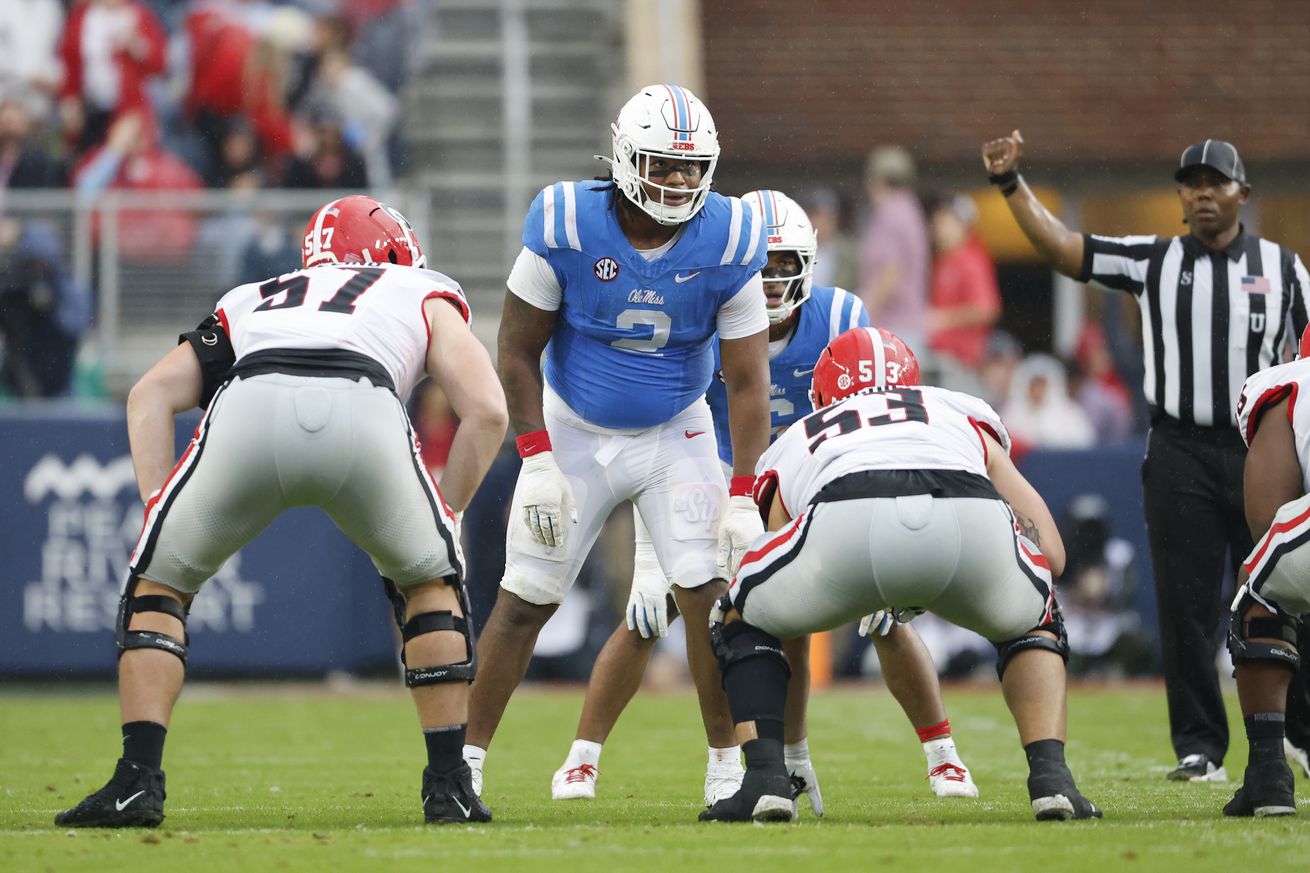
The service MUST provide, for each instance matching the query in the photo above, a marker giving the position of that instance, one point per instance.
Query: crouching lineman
(803, 319)
(1275, 593)
(303, 377)
(902, 498)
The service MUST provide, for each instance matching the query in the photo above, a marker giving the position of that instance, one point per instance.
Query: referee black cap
(1215, 154)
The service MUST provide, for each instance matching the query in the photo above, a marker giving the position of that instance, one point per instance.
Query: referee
(1217, 305)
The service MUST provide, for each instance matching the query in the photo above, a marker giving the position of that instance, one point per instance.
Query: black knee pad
(755, 672)
(129, 604)
(1006, 651)
(433, 622)
(1244, 650)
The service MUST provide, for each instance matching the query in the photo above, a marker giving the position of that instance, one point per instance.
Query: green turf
(289, 779)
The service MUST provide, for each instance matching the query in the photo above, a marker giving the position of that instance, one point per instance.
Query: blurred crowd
(181, 95)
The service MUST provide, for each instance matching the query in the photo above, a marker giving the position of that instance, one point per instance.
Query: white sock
(476, 756)
(940, 749)
(730, 755)
(583, 752)
(797, 752)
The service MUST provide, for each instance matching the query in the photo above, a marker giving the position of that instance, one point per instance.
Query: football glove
(648, 610)
(739, 528)
(805, 781)
(879, 624)
(545, 499)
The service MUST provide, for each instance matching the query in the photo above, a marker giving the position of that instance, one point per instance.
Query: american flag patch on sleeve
(1255, 284)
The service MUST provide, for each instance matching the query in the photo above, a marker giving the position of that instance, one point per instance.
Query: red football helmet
(1303, 350)
(360, 230)
(862, 357)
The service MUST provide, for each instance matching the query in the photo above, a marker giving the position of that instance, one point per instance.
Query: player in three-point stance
(302, 378)
(803, 319)
(627, 286)
(1275, 591)
(894, 497)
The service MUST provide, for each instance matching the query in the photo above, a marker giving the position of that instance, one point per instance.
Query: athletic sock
(1045, 755)
(763, 753)
(583, 752)
(143, 743)
(1265, 732)
(941, 730)
(727, 755)
(445, 747)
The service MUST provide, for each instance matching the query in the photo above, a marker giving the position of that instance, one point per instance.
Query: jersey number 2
(297, 287)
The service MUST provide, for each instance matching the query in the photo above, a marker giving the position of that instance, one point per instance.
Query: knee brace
(1006, 651)
(432, 622)
(736, 642)
(1278, 626)
(129, 604)
(755, 673)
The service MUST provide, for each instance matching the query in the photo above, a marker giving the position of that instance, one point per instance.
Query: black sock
(764, 752)
(1045, 755)
(143, 743)
(1265, 731)
(445, 747)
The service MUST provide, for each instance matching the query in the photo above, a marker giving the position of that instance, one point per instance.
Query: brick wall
(1111, 82)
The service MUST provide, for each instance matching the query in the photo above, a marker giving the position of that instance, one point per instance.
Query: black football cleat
(1055, 797)
(1268, 789)
(448, 798)
(133, 798)
(765, 795)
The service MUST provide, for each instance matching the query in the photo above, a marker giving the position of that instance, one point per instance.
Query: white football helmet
(789, 230)
(669, 122)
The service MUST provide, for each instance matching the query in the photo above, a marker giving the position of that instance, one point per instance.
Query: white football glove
(648, 610)
(739, 528)
(879, 624)
(545, 499)
(805, 780)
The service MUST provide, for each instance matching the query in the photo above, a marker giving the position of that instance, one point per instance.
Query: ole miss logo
(606, 269)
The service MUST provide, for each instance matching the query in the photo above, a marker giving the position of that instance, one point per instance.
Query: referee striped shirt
(1209, 318)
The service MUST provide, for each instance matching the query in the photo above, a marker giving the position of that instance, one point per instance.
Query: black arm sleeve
(214, 351)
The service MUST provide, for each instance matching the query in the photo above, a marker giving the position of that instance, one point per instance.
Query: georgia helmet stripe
(879, 356)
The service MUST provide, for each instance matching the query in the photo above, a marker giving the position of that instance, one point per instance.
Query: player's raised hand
(545, 500)
(1002, 155)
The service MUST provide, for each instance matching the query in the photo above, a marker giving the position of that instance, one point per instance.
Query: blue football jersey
(828, 313)
(634, 340)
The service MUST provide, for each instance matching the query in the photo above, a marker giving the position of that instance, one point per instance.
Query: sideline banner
(299, 599)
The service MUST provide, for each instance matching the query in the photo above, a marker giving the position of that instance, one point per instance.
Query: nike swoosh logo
(679, 278)
(121, 805)
(692, 433)
(799, 373)
(467, 810)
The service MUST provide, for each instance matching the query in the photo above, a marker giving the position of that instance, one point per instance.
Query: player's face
(780, 266)
(1211, 201)
(670, 173)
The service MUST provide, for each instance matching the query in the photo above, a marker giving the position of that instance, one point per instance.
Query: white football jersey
(1267, 387)
(371, 310)
(921, 428)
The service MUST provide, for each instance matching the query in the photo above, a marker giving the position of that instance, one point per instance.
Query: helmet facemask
(789, 231)
(797, 285)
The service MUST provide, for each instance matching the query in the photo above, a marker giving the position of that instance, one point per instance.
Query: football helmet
(862, 357)
(360, 230)
(789, 230)
(664, 122)
(1303, 350)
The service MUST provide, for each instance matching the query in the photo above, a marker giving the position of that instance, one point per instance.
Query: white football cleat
(1296, 756)
(722, 780)
(952, 779)
(476, 771)
(574, 783)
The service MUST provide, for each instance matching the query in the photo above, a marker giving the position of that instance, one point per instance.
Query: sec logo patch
(606, 269)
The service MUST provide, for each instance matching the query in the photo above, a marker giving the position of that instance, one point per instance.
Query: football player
(1275, 577)
(628, 286)
(302, 378)
(903, 498)
(803, 319)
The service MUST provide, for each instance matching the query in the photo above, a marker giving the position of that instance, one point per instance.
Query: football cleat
(722, 780)
(952, 779)
(1268, 789)
(574, 783)
(1296, 755)
(1055, 797)
(449, 798)
(1197, 768)
(133, 798)
(765, 795)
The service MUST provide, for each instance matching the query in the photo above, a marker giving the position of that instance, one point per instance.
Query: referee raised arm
(1217, 305)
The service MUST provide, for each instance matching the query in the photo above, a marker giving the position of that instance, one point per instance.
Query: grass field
(296, 778)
